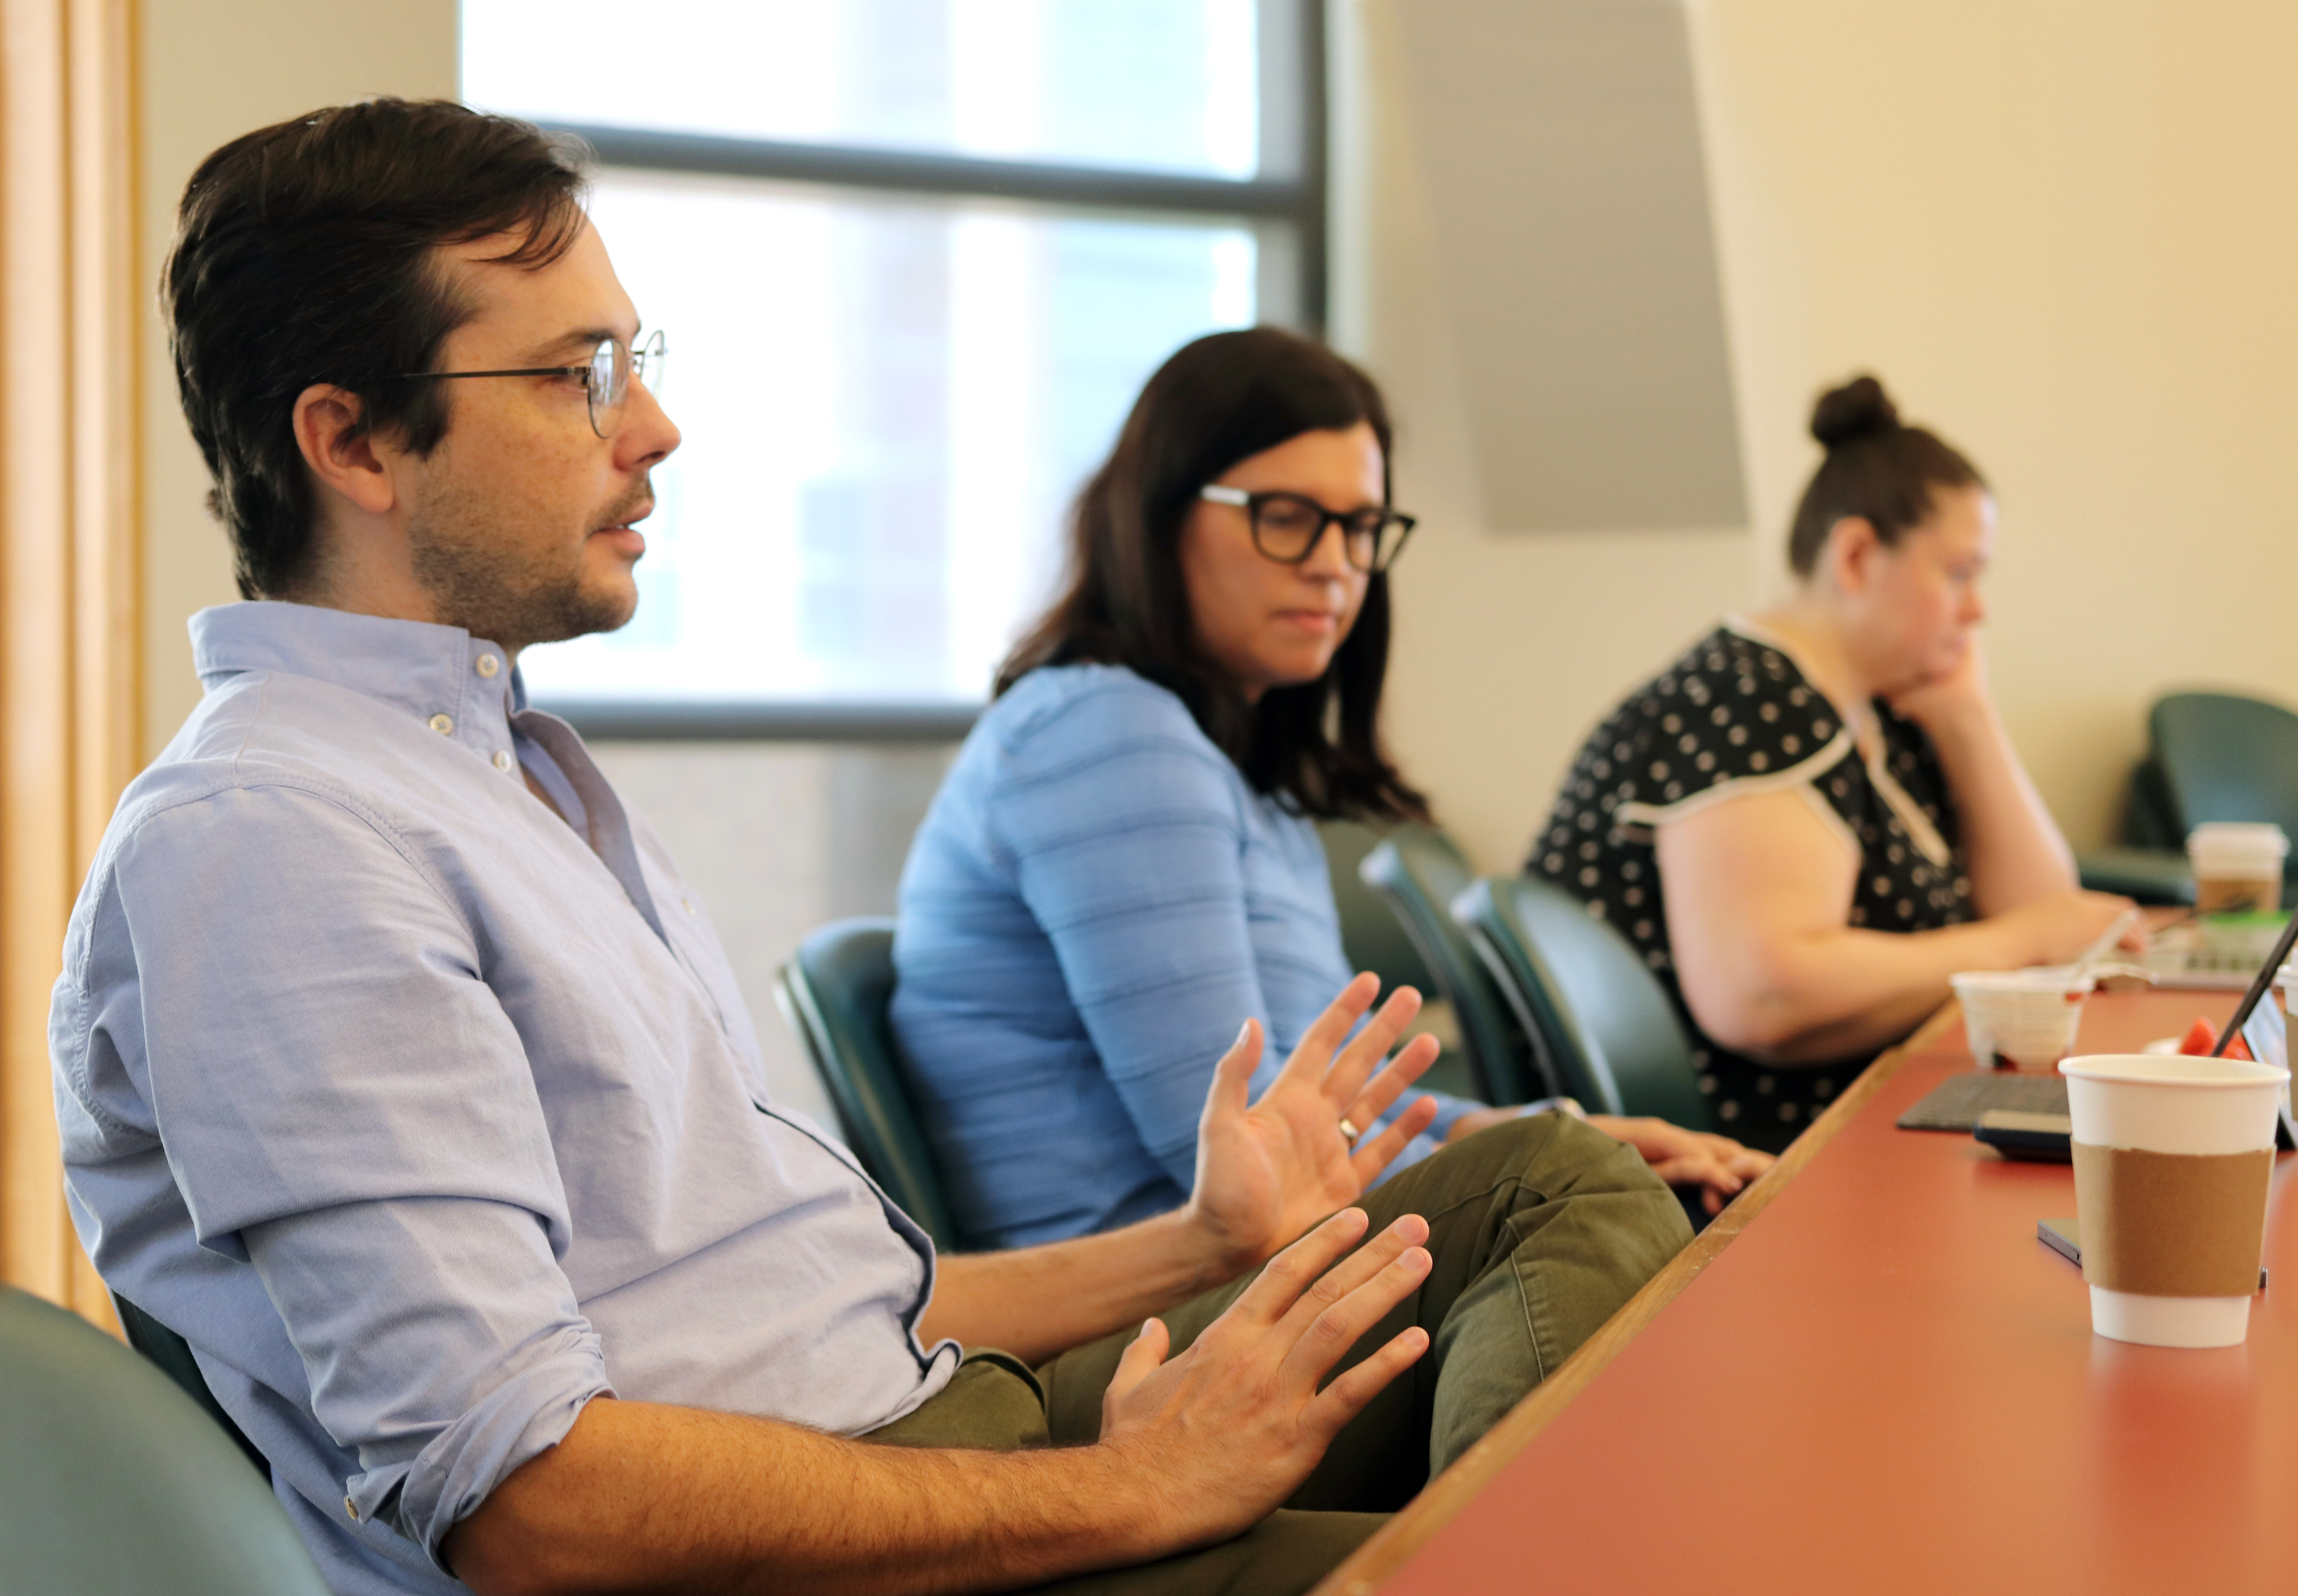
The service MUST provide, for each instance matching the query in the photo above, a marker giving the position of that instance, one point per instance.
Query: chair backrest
(171, 1355)
(1417, 872)
(1578, 985)
(1371, 934)
(113, 1480)
(2225, 757)
(835, 992)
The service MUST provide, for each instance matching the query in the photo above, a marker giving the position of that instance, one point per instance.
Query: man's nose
(647, 434)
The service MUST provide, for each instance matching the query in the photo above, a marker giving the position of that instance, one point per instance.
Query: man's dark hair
(1877, 467)
(1219, 401)
(303, 254)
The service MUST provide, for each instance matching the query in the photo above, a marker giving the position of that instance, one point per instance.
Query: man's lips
(624, 533)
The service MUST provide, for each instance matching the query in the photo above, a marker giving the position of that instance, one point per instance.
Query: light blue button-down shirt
(426, 1115)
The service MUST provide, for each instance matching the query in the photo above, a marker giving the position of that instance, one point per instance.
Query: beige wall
(2061, 233)
(2064, 233)
(213, 70)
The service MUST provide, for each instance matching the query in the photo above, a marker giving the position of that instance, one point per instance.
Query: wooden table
(1869, 1376)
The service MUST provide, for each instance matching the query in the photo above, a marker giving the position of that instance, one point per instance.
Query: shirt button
(687, 904)
(350, 1509)
(488, 665)
(443, 724)
(502, 760)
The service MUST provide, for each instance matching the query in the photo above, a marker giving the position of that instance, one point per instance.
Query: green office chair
(171, 1355)
(1418, 871)
(112, 1481)
(1576, 984)
(2225, 757)
(834, 992)
(1374, 938)
(2211, 756)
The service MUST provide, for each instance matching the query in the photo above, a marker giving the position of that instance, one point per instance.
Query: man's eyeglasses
(606, 379)
(1287, 527)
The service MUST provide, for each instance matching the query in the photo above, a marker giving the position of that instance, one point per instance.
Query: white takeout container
(2160, 1102)
(2028, 1016)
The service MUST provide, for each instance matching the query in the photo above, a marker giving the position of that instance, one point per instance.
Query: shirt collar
(441, 675)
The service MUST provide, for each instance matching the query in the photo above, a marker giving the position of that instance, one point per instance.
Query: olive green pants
(1540, 1229)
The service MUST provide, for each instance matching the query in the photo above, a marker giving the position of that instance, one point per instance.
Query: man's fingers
(1346, 1396)
(1232, 1088)
(1138, 1361)
(1284, 1278)
(1375, 1154)
(1385, 1088)
(1362, 1055)
(1335, 1283)
(1324, 1035)
(1327, 1339)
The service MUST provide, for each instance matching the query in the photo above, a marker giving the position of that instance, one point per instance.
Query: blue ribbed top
(1096, 902)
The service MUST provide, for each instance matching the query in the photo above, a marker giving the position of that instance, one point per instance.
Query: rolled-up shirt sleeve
(344, 1104)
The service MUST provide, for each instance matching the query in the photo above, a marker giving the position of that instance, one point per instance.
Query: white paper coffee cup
(2237, 867)
(2151, 1130)
(2027, 1016)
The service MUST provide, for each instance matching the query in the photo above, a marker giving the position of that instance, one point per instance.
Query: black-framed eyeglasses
(606, 377)
(1287, 527)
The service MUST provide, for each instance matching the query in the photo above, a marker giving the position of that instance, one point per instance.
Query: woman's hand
(1681, 1157)
(1678, 1156)
(1949, 701)
(2058, 928)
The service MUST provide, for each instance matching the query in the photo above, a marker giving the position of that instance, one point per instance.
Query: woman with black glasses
(1120, 866)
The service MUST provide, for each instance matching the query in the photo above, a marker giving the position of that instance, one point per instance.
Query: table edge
(1394, 1544)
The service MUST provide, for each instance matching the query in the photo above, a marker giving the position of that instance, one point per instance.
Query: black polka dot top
(1736, 715)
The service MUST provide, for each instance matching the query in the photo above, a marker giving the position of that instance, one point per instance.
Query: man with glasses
(399, 1072)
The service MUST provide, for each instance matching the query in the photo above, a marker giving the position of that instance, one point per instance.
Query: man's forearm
(645, 1496)
(1038, 1301)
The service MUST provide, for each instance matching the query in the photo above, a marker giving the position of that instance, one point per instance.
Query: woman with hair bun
(1811, 819)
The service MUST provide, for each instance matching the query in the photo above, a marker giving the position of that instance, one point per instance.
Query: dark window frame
(1299, 200)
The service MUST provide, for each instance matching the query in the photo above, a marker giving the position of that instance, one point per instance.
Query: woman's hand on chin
(1950, 699)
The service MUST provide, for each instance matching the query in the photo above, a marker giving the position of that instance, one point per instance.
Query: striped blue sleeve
(1121, 825)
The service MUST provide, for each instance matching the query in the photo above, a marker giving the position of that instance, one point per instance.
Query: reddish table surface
(1887, 1383)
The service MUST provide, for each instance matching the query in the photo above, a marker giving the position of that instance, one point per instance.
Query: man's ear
(1850, 551)
(340, 450)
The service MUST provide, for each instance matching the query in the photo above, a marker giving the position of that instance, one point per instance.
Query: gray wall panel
(1561, 145)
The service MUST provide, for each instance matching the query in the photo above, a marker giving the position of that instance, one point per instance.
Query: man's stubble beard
(498, 587)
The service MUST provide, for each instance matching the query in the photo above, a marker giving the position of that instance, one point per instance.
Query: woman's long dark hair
(1219, 401)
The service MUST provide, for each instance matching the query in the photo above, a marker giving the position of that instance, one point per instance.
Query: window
(914, 258)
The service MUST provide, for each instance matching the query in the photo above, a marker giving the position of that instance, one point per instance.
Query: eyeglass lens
(612, 367)
(1287, 528)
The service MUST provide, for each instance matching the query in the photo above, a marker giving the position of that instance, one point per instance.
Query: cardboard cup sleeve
(2173, 1224)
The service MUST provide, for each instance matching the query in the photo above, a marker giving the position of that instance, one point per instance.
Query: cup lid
(2170, 1069)
(2244, 836)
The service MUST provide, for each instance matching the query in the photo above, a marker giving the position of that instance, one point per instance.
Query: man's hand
(1267, 1171)
(1683, 1157)
(1229, 1429)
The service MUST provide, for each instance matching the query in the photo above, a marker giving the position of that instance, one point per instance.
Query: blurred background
(913, 257)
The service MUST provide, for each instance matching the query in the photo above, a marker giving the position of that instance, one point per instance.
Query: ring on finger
(1349, 1129)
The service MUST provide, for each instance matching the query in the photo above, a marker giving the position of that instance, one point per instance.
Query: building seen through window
(914, 258)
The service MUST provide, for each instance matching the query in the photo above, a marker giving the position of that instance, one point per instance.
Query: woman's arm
(2016, 852)
(1125, 847)
(1759, 893)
